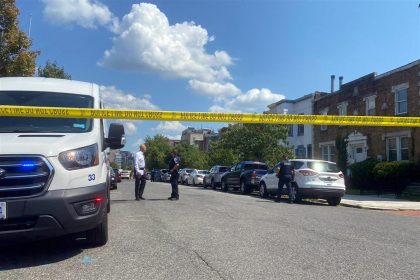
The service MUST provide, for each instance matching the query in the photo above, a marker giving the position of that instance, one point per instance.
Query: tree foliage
(218, 155)
(158, 152)
(341, 146)
(191, 156)
(52, 70)
(260, 142)
(15, 57)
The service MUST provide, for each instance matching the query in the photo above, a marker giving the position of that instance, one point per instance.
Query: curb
(376, 207)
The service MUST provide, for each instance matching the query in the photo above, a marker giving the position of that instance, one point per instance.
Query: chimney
(340, 82)
(332, 83)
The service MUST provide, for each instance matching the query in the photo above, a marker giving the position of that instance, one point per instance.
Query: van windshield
(44, 99)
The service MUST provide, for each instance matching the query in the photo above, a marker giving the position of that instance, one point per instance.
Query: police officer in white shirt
(139, 165)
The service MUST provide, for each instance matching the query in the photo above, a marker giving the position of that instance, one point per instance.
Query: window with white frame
(401, 100)
(290, 130)
(370, 105)
(324, 113)
(342, 108)
(397, 148)
(300, 128)
(327, 152)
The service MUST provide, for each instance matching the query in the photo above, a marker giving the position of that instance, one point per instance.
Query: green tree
(261, 142)
(158, 152)
(52, 70)
(218, 155)
(15, 57)
(191, 156)
(113, 165)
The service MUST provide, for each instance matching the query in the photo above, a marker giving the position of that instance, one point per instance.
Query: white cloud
(169, 127)
(147, 42)
(253, 101)
(115, 98)
(130, 128)
(86, 13)
(219, 91)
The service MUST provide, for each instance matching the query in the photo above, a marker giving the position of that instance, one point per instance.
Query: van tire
(244, 188)
(263, 190)
(98, 236)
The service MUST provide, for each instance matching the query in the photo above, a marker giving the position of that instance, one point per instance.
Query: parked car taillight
(341, 175)
(308, 173)
(254, 175)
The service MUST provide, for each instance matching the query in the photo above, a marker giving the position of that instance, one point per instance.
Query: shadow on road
(40, 253)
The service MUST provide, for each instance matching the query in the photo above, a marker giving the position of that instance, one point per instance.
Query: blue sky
(213, 55)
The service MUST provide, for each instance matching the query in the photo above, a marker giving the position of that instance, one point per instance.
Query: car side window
(298, 164)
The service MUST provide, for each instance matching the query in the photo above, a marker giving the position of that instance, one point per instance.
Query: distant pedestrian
(173, 169)
(286, 174)
(139, 174)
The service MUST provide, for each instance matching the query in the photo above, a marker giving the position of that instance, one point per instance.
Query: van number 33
(91, 177)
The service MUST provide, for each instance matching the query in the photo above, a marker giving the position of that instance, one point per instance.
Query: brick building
(394, 93)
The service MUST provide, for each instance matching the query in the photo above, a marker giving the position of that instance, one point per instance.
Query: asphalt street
(209, 234)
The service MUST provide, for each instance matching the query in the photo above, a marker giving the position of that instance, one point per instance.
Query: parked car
(117, 175)
(113, 179)
(313, 179)
(213, 178)
(183, 175)
(148, 176)
(125, 174)
(196, 177)
(165, 175)
(246, 175)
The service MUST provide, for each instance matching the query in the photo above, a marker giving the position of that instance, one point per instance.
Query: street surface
(214, 235)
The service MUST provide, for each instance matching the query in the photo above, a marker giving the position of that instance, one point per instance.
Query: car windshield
(189, 170)
(203, 172)
(223, 169)
(321, 166)
(44, 99)
(253, 166)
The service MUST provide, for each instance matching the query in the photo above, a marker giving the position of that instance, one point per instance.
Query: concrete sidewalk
(375, 202)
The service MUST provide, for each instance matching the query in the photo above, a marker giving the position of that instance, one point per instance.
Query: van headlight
(80, 158)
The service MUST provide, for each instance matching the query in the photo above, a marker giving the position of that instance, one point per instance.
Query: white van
(53, 171)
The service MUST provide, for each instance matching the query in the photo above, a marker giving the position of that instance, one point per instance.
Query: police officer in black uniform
(173, 168)
(286, 175)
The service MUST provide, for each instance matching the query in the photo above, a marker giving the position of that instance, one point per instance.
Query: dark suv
(213, 179)
(246, 175)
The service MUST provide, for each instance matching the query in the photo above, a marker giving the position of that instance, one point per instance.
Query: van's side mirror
(116, 136)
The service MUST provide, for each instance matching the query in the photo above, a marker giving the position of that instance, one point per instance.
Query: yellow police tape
(58, 112)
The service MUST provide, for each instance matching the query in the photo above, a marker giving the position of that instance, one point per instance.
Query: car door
(235, 180)
(272, 180)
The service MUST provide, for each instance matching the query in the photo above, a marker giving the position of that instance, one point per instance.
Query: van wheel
(98, 236)
(334, 201)
(225, 186)
(263, 190)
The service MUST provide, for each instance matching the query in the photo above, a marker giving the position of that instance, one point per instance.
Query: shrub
(395, 174)
(362, 174)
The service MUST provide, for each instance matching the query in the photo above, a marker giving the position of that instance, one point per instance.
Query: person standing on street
(173, 169)
(139, 165)
(286, 174)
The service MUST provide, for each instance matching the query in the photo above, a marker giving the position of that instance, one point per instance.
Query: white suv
(313, 179)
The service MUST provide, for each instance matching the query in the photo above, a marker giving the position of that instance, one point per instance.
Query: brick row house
(394, 93)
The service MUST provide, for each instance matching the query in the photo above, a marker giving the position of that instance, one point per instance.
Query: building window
(401, 101)
(370, 105)
(327, 152)
(290, 130)
(324, 113)
(342, 108)
(309, 151)
(300, 129)
(300, 152)
(397, 148)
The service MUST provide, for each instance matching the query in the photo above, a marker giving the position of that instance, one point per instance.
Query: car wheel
(204, 184)
(193, 182)
(334, 201)
(98, 236)
(225, 186)
(244, 188)
(213, 185)
(263, 190)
